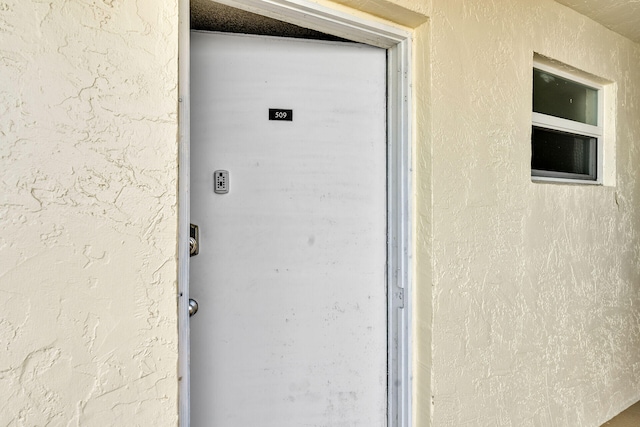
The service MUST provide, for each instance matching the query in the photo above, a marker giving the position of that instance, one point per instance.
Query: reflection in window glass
(559, 97)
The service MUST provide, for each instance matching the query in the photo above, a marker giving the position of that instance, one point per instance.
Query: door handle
(193, 307)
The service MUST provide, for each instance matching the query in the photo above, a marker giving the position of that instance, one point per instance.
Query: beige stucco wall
(536, 287)
(88, 149)
(422, 305)
(525, 296)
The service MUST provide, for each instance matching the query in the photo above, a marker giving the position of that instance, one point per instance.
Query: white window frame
(545, 121)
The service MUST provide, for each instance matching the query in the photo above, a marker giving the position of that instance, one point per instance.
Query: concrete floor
(628, 418)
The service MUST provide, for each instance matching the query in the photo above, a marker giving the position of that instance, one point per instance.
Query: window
(566, 134)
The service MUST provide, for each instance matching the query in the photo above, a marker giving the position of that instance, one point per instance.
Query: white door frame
(397, 41)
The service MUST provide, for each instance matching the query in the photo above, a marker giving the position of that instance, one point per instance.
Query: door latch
(194, 238)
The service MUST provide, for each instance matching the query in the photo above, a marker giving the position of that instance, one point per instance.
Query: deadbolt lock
(194, 246)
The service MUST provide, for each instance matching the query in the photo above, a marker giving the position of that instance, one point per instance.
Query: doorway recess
(306, 19)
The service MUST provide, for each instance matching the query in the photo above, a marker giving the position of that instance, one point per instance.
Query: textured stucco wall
(536, 287)
(422, 232)
(526, 294)
(88, 148)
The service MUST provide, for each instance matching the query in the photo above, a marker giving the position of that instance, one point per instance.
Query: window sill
(549, 180)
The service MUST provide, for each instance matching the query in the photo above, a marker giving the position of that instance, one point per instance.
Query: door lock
(221, 182)
(194, 246)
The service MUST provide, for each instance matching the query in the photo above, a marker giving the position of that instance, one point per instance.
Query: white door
(290, 278)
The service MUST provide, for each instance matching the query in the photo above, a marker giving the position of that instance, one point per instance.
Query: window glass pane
(562, 152)
(564, 98)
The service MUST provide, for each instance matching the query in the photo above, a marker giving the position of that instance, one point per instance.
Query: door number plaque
(280, 114)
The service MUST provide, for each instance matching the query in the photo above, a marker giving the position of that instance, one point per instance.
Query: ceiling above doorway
(208, 15)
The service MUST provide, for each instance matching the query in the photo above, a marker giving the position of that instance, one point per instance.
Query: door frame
(397, 42)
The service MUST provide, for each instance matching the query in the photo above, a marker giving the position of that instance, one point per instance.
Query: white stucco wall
(536, 287)
(88, 149)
